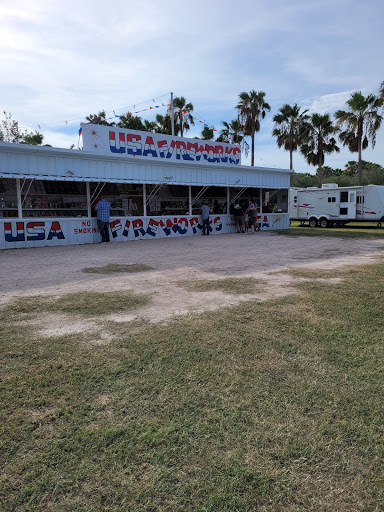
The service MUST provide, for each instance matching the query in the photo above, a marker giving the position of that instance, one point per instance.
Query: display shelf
(73, 208)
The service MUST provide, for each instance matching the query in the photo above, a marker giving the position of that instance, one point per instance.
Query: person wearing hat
(239, 218)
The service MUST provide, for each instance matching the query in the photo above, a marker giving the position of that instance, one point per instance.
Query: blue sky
(61, 61)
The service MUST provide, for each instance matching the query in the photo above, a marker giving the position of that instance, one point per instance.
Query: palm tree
(130, 122)
(163, 124)
(252, 109)
(99, 118)
(317, 140)
(287, 128)
(381, 93)
(207, 133)
(182, 115)
(232, 132)
(360, 124)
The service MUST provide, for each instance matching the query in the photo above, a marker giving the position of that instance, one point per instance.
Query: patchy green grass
(81, 303)
(115, 267)
(352, 230)
(229, 285)
(271, 406)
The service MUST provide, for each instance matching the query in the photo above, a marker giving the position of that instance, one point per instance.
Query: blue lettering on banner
(56, 231)
(19, 236)
(149, 148)
(35, 231)
(134, 146)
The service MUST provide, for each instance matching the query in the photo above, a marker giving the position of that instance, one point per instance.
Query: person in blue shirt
(103, 208)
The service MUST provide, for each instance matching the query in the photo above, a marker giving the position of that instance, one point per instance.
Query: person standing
(239, 218)
(103, 208)
(205, 214)
(252, 215)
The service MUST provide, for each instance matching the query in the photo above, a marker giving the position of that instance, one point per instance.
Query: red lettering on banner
(35, 235)
(162, 145)
(138, 227)
(134, 146)
(126, 228)
(149, 147)
(56, 231)
(211, 153)
(192, 148)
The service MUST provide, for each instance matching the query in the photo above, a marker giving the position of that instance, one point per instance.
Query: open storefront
(47, 195)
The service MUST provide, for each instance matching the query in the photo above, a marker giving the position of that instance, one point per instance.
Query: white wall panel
(22, 159)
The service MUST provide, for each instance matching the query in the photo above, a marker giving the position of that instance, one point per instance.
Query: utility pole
(172, 114)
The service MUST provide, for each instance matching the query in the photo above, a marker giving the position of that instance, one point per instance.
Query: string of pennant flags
(114, 112)
(194, 117)
(126, 109)
(145, 110)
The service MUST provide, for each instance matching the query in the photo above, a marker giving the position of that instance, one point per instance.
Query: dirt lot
(59, 270)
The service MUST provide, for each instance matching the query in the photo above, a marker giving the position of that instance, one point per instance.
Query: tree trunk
(290, 159)
(253, 150)
(360, 166)
(319, 176)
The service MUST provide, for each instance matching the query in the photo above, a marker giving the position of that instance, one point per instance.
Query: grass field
(352, 230)
(267, 406)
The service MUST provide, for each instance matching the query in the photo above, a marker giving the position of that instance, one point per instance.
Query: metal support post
(172, 116)
(18, 195)
(145, 200)
(228, 201)
(88, 192)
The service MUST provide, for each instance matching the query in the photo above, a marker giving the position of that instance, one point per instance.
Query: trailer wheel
(323, 222)
(312, 222)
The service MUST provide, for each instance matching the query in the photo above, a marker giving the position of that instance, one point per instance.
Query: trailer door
(348, 204)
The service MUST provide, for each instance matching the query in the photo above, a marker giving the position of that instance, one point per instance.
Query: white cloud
(63, 61)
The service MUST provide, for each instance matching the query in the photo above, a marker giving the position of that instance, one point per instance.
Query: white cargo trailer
(332, 205)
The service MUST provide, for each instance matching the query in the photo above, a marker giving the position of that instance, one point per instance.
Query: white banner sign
(135, 144)
(15, 233)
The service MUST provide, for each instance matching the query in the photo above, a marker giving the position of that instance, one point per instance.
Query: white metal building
(47, 196)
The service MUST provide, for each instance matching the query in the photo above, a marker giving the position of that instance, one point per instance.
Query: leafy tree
(287, 128)
(252, 109)
(303, 179)
(360, 124)
(149, 126)
(317, 141)
(99, 118)
(372, 173)
(130, 122)
(329, 172)
(351, 168)
(33, 139)
(207, 133)
(10, 132)
(182, 115)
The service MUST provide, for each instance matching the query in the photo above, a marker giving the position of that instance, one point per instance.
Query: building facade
(47, 195)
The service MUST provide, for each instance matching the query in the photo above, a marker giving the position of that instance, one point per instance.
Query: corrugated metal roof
(45, 163)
